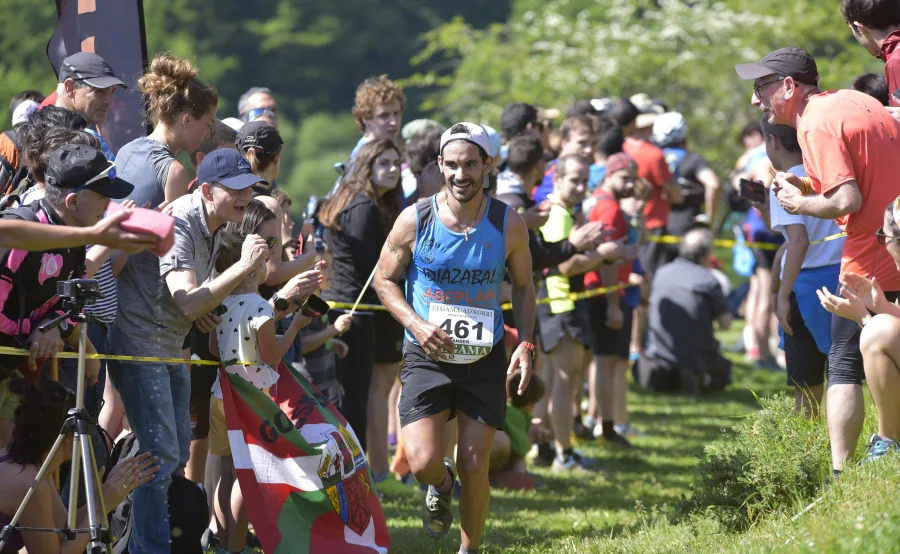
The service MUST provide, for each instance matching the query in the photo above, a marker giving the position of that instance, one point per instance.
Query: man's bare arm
(844, 200)
(396, 255)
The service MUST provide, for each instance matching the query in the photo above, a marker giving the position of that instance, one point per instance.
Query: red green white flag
(302, 472)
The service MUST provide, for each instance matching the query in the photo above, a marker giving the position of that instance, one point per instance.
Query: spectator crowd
(621, 216)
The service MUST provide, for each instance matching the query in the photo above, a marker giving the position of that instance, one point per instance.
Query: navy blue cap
(73, 167)
(229, 167)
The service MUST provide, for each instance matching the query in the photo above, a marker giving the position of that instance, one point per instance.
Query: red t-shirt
(608, 212)
(890, 53)
(847, 136)
(652, 166)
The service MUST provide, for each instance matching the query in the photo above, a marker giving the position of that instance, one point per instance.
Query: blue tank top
(455, 283)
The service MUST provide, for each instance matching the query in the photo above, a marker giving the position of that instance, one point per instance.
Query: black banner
(113, 29)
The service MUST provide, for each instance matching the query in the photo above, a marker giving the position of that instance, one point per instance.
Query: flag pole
(364, 289)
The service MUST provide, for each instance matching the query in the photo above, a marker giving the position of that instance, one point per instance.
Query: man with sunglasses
(850, 146)
(79, 182)
(258, 103)
(87, 84)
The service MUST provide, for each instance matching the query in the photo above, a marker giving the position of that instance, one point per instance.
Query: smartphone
(896, 94)
(753, 191)
(220, 310)
(314, 307)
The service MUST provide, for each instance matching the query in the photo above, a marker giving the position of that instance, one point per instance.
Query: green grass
(575, 514)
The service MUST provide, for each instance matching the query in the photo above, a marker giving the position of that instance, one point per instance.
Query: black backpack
(188, 512)
(17, 178)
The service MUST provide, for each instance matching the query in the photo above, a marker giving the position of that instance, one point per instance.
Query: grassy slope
(574, 514)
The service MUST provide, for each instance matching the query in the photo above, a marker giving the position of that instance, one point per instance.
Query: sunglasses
(108, 173)
(256, 113)
(758, 87)
(883, 239)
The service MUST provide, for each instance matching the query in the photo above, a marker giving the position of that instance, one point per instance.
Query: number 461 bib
(472, 330)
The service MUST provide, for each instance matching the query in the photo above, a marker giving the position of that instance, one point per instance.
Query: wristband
(528, 346)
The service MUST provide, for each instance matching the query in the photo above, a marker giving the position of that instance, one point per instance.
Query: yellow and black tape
(730, 243)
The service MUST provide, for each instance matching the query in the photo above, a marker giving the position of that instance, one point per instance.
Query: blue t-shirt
(598, 173)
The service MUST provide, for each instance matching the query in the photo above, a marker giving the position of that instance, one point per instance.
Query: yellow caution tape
(507, 306)
(730, 243)
(74, 355)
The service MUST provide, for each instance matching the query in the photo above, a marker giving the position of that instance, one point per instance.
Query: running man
(453, 249)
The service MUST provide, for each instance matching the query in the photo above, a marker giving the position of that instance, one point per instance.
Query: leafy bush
(774, 461)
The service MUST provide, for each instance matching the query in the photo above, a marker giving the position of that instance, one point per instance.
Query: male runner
(453, 249)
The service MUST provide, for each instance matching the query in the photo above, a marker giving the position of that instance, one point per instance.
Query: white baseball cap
(471, 132)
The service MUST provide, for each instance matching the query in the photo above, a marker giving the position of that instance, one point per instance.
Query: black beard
(472, 190)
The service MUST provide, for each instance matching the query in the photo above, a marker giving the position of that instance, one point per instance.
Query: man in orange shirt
(850, 147)
(652, 166)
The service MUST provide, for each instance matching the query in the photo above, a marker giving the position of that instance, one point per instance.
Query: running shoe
(879, 447)
(580, 431)
(769, 365)
(573, 463)
(437, 514)
(627, 430)
(617, 440)
(543, 455)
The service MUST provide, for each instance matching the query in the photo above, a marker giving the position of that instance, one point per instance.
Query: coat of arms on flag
(303, 474)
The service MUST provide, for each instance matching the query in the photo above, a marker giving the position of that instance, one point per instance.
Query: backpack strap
(424, 214)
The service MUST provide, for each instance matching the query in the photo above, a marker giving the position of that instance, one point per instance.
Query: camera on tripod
(79, 292)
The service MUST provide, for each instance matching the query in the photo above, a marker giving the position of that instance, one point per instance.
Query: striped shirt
(104, 311)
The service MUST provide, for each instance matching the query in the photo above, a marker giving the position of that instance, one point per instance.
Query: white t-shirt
(237, 340)
(818, 255)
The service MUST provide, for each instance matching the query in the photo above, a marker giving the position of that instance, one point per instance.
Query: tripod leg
(37, 480)
(74, 481)
(94, 495)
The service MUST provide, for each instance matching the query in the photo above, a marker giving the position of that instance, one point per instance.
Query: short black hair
(624, 112)
(562, 163)
(582, 107)
(219, 134)
(516, 118)
(875, 85)
(533, 392)
(34, 95)
(750, 129)
(610, 138)
(525, 151)
(785, 134)
(874, 14)
(423, 148)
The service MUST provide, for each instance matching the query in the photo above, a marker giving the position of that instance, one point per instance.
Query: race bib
(472, 330)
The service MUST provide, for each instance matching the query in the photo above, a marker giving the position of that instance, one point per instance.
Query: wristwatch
(528, 346)
(281, 304)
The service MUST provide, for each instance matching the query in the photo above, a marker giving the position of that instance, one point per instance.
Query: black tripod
(75, 295)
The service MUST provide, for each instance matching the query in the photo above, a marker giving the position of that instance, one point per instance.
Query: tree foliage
(461, 60)
(552, 53)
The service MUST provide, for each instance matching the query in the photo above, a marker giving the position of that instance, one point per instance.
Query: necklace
(458, 222)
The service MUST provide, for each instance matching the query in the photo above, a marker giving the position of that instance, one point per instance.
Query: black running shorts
(477, 389)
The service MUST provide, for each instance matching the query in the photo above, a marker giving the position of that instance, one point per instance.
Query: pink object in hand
(149, 222)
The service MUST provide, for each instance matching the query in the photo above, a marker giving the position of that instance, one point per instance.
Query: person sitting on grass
(513, 443)
(880, 337)
(246, 337)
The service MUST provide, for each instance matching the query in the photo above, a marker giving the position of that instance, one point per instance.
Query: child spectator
(320, 342)
(246, 335)
(513, 443)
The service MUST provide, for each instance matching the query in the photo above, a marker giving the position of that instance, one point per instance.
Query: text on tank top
(455, 284)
